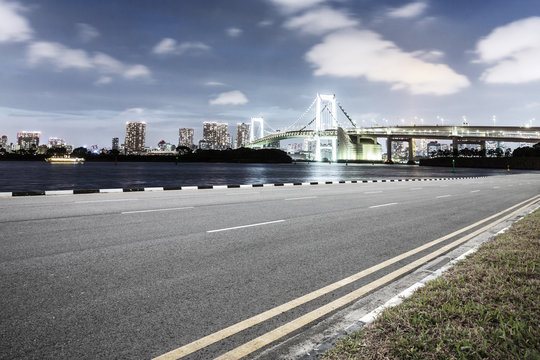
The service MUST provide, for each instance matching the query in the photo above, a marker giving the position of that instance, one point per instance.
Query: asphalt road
(135, 275)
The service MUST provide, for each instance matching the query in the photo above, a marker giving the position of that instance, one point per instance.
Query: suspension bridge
(334, 135)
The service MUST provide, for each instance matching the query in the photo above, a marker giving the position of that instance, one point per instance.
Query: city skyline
(75, 74)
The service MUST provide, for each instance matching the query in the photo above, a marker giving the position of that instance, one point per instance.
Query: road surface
(136, 275)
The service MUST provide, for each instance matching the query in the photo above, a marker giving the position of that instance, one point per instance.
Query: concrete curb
(210, 187)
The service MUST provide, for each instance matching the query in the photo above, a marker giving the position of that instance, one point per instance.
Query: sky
(80, 69)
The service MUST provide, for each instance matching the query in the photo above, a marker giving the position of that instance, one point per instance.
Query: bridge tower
(260, 122)
(330, 104)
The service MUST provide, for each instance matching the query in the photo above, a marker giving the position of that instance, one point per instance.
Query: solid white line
(398, 299)
(100, 201)
(243, 193)
(443, 196)
(301, 198)
(376, 206)
(154, 210)
(245, 226)
(416, 189)
(473, 191)
(372, 192)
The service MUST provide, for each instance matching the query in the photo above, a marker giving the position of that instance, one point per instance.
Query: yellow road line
(298, 323)
(257, 319)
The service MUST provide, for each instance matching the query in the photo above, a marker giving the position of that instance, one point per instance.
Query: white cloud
(432, 55)
(136, 71)
(13, 26)
(363, 53)
(265, 23)
(86, 32)
(290, 6)
(214, 83)
(234, 97)
(63, 58)
(108, 64)
(513, 51)
(320, 21)
(411, 10)
(165, 46)
(234, 32)
(137, 111)
(103, 80)
(170, 46)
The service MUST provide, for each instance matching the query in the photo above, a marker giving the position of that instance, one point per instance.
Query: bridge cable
(347, 115)
(315, 118)
(302, 116)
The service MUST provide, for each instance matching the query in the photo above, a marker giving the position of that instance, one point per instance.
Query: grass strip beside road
(486, 306)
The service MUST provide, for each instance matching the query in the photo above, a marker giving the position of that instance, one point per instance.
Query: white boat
(64, 160)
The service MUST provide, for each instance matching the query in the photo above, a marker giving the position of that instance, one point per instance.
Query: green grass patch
(485, 307)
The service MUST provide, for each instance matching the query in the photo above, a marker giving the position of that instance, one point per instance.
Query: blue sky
(80, 69)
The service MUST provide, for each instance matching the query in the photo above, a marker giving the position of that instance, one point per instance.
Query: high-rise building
(56, 142)
(3, 142)
(242, 134)
(215, 135)
(185, 137)
(27, 140)
(135, 136)
(222, 137)
(115, 143)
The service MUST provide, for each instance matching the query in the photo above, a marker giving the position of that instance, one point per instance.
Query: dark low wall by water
(521, 163)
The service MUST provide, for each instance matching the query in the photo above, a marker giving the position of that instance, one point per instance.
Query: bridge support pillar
(411, 152)
(455, 150)
(389, 151)
(483, 148)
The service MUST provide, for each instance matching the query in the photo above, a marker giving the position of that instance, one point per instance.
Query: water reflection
(28, 176)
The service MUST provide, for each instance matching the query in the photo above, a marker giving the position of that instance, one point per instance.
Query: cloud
(86, 32)
(265, 23)
(432, 55)
(291, 6)
(214, 83)
(103, 80)
(137, 111)
(136, 71)
(363, 53)
(320, 21)
(234, 32)
(170, 46)
(13, 26)
(63, 58)
(513, 51)
(234, 97)
(408, 11)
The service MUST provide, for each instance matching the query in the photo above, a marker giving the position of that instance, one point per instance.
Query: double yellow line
(298, 323)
